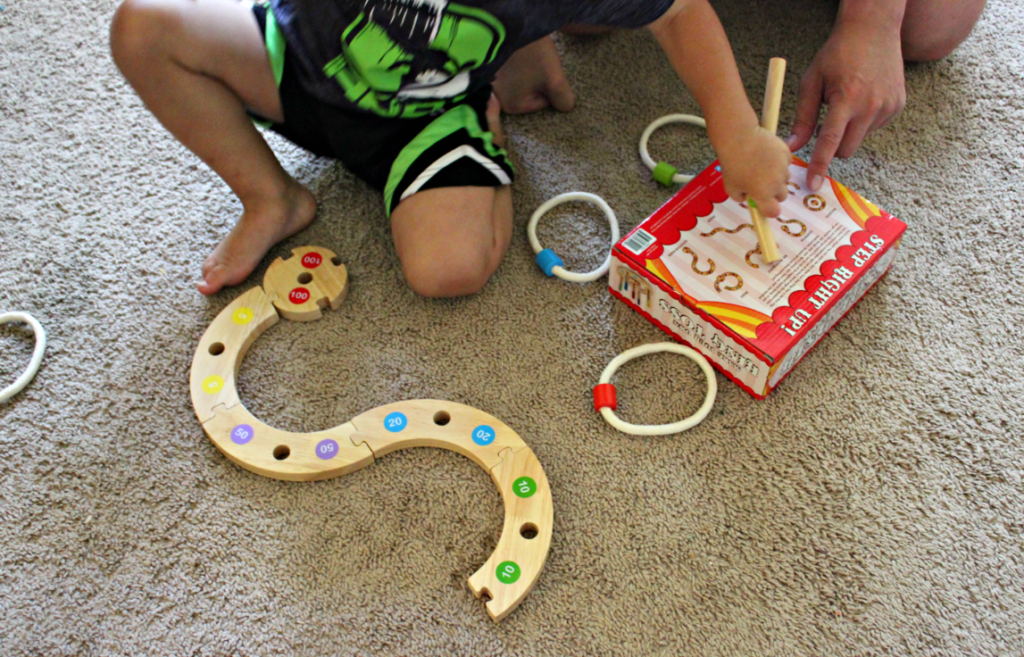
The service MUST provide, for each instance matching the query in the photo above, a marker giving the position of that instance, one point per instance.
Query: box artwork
(694, 268)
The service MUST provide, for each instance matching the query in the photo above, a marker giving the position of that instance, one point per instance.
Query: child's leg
(533, 79)
(197, 65)
(451, 239)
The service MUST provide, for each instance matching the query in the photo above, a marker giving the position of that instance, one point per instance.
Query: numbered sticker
(508, 572)
(311, 260)
(242, 316)
(524, 487)
(326, 449)
(242, 434)
(299, 296)
(213, 384)
(395, 422)
(483, 435)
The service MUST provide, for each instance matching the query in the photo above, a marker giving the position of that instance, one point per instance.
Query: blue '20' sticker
(395, 422)
(483, 435)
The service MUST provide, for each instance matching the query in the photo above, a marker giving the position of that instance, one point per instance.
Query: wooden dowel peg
(770, 122)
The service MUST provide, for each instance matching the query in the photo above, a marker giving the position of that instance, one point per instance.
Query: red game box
(695, 270)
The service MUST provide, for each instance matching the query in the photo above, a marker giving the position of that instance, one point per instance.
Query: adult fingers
(887, 114)
(831, 135)
(856, 130)
(808, 107)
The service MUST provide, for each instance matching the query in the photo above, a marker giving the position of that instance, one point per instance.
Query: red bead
(604, 397)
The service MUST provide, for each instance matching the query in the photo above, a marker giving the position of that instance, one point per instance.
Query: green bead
(664, 173)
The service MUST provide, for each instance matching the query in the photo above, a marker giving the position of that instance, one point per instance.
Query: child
(400, 92)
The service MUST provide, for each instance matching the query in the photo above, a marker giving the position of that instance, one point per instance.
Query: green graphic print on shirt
(409, 58)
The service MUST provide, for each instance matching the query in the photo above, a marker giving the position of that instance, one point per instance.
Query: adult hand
(858, 73)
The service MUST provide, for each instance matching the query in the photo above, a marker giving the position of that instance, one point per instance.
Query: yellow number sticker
(242, 316)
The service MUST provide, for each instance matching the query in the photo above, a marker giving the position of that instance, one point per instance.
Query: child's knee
(441, 275)
(138, 28)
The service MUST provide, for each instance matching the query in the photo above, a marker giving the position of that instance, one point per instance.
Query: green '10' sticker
(508, 572)
(524, 487)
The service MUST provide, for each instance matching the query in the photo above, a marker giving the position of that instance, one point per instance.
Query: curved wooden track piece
(517, 561)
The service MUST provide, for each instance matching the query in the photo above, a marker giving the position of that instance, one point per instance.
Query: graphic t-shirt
(408, 58)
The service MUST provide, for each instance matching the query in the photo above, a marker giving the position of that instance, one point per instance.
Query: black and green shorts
(397, 156)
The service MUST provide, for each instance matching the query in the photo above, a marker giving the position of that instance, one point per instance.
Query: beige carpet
(872, 505)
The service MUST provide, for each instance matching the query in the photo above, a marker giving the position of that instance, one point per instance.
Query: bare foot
(533, 79)
(263, 224)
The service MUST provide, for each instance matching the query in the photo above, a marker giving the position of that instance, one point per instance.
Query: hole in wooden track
(305, 277)
(336, 261)
(529, 531)
(216, 349)
(442, 418)
(281, 452)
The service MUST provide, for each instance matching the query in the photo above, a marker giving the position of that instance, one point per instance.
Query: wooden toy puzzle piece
(278, 454)
(435, 423)
(516, 563)
(311, 279)
(222, 347)
(514, 567)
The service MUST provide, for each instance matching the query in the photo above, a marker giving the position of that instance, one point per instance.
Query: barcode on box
(639, 241)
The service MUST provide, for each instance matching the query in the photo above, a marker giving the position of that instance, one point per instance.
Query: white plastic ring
(661, 429)
(671, 118)
(613, 223)
(37, 355)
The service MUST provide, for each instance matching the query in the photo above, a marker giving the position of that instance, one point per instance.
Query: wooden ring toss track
(298, 288)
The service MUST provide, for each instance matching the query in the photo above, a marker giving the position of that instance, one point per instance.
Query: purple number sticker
(326, 449)
(242, 434)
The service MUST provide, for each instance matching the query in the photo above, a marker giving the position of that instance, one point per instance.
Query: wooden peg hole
(305, 277)
(216, 349)
(442, 418)
(281, 452)
(529, 531)
(336, 261)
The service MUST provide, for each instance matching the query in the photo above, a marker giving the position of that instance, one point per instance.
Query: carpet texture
(872, 505)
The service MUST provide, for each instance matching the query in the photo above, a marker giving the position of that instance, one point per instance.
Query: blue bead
(547, 260)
